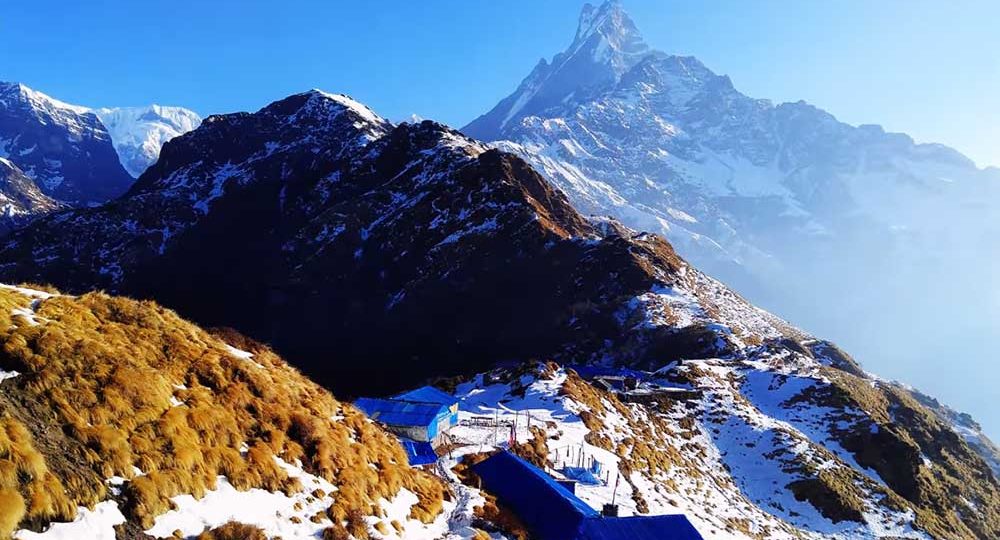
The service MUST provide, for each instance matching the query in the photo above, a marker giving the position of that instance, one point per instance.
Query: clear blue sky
(929, 68)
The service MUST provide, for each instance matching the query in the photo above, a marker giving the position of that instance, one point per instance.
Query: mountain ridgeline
(785, 203)
(356, 240)
(376, 256)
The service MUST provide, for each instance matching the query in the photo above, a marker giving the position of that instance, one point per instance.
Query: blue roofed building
(669, 527)
(421, 415)
(552, 512)
(429, 394)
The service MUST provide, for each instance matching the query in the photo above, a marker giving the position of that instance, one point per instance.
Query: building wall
(429, 433)
(417, 433)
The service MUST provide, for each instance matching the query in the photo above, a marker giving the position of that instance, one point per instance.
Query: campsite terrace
(437, 430)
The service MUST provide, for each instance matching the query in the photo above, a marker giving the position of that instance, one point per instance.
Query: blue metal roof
(428, 394)
(548, 509)
(401, 413)
(672, 527)
(589, 372)
(418, 452)
(552, 512)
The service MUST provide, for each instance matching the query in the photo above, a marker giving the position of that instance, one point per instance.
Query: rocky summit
(790, 206)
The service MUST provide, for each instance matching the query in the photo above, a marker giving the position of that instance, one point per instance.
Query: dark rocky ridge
(350, 244)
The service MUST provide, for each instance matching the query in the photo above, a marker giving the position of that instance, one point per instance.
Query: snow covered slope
(784, 439)
(784, 202)
(139, 133)
(63, 148)
(21, 200)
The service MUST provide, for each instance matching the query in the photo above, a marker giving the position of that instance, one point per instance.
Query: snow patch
(96, 524)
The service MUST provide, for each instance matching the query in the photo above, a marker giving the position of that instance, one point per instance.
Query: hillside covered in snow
(785, 439)
(21, 200)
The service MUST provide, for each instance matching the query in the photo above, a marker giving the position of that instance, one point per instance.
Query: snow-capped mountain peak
(18, 94)
(37, 98)
(763, 195)
(139, 133)
(607, 44)
(609, 35)
(348, 102)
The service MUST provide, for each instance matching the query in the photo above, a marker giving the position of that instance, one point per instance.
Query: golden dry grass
(234, 531)
(534, 450)
(106, 370)
(11, 510)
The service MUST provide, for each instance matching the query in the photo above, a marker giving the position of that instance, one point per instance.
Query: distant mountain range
(76, 155)
(845, 230)
(139, 133)
(62, 148)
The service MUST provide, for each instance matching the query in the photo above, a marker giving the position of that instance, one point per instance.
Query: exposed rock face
(21, 200)
(63, 148)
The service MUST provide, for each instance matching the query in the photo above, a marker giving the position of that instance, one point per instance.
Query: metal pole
(614, 493)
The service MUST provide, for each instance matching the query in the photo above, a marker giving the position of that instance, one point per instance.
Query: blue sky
(928, 68)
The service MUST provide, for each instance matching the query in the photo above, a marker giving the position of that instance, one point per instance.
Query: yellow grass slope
(108, 386)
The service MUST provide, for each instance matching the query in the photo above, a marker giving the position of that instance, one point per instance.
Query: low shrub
(234, 531)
